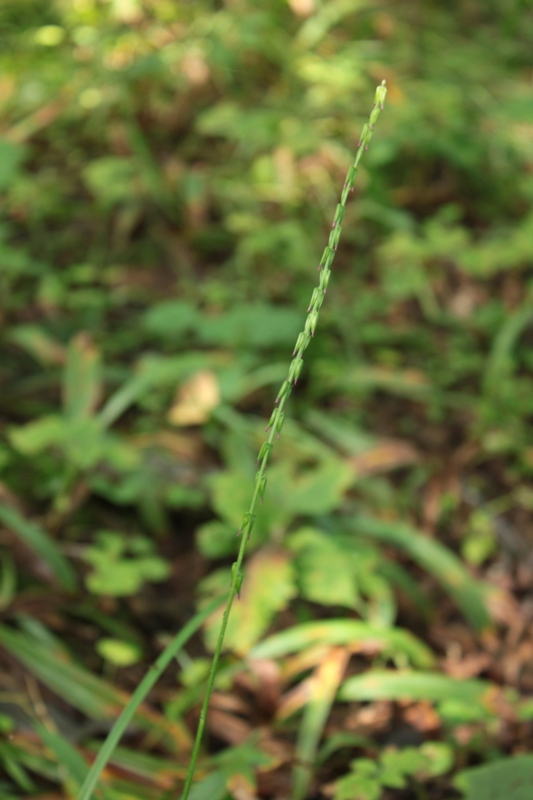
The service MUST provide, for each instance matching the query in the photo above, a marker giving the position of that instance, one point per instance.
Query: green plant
(145, 145)
(394, 769)
(121, 564)
(277, 418)
(511, 778)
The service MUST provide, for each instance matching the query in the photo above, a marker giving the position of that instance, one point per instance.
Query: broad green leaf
(81, 439)
(42, 544)
(334, 571)
(397, 764)
(231, 492)
(170, 319)
(343, 632)
(355, 785)
(510, 778)
(215, 539)
(251, 325)
(326, 572)
(267, 589)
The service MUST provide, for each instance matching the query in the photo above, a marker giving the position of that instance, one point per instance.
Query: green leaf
(322, 690)
(119, 652)
(84, 442)
(67, 757)
(122, 564)
(326, 572)
(81, 380)
(314, 491)
(170, 319)
(343, 632)
(470, 595)
(113, 180)
(397, 764)
(39, 541)
(211, 788)
(143, 688)
(152, 371)
(69, 681)
(251, 325)
(215, 539)
(36, 341)
(34, 437)
(267, 588)
(357, 786)
(404, 685)
(511, 778)
(11, 155)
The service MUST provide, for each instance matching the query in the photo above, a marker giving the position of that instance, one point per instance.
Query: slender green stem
(276, 420)
(122, 722)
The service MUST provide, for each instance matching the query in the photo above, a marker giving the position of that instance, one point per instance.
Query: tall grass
(274, 429)
(276, 420)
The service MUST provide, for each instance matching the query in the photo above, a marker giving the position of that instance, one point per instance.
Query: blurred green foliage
(168, 173)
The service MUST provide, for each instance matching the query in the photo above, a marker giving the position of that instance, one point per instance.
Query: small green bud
(325, 256)
(284, 391)
(265, 451)
(324, 279)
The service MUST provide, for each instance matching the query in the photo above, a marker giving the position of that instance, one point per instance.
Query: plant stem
(140, 693)
(276, 420)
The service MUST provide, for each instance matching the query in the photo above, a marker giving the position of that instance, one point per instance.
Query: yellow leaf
(195, 399)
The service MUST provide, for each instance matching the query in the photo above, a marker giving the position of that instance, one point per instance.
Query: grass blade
(344, 632)
(469, 594)
(323, 689)
(153, 674)
(35, 538)
(407, 685)
(278, 415)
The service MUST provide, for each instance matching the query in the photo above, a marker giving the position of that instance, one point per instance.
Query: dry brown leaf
(302, 8)
(182, 445)
(241, 788)
(227, 727)
(267, 685)
(195, 399)
(371, 719)
(422, 716)
(386, 455)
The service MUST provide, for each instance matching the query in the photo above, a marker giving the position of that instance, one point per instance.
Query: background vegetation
(168, 176)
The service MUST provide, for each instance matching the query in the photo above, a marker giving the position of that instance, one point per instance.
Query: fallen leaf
(195, 399)
(386, 455)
